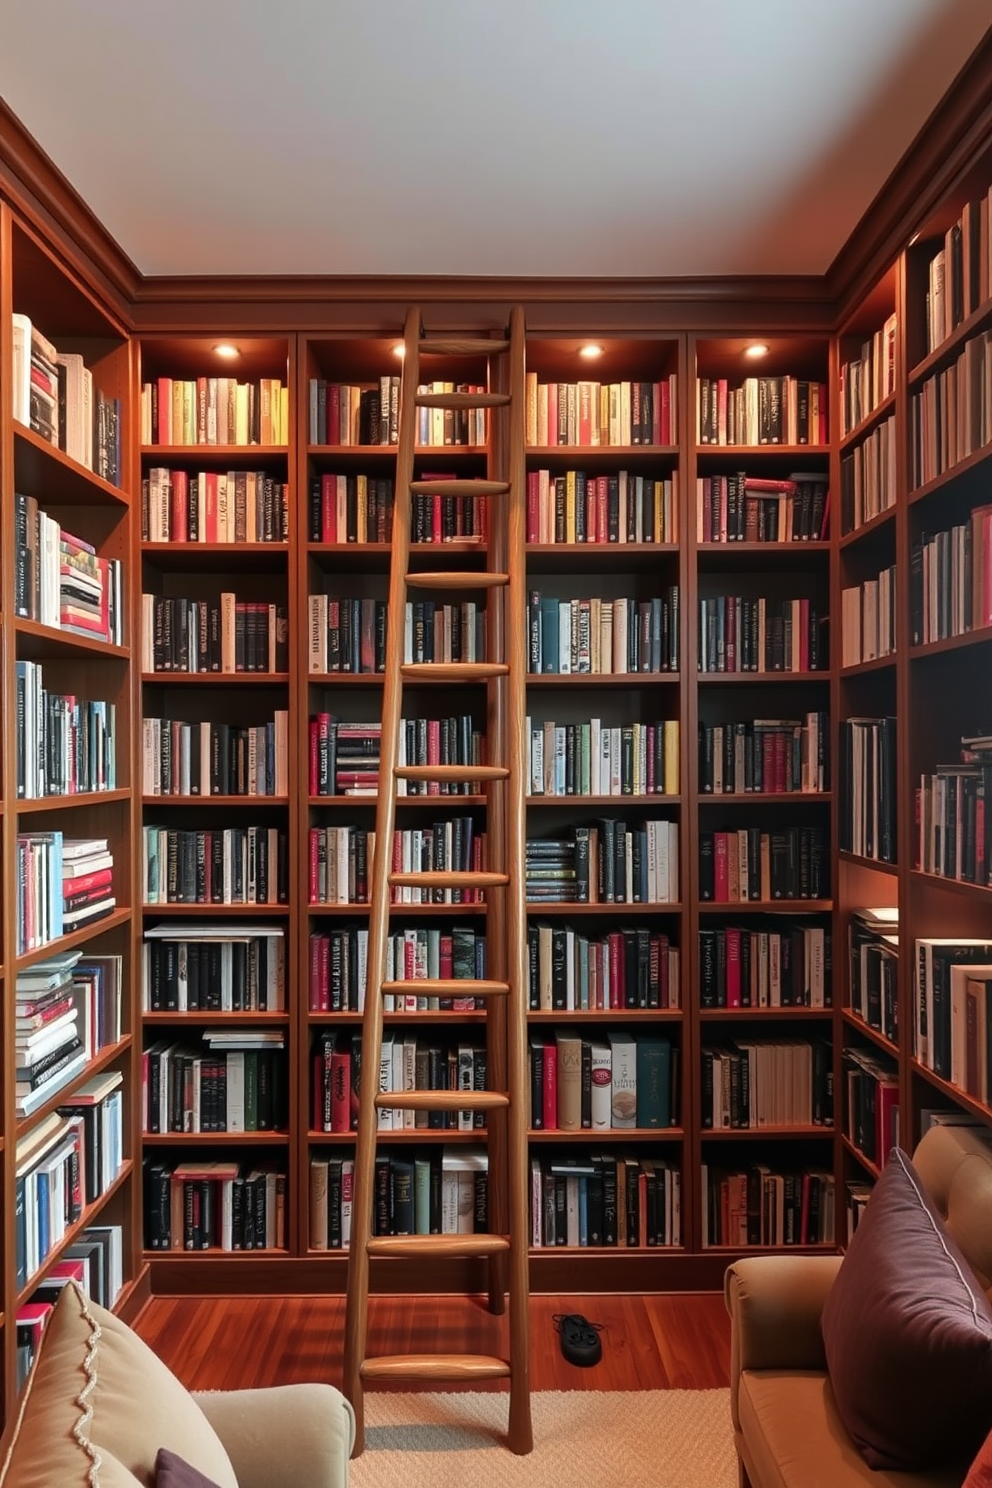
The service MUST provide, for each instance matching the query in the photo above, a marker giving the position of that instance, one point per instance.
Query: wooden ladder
(505, 987)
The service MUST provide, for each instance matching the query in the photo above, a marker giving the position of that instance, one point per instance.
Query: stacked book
(62, 581)
(87, 882)
(48, 1039)
(63, 884)
(873, 949)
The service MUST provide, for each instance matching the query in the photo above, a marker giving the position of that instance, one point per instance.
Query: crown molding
(959, 128)
(36, 188)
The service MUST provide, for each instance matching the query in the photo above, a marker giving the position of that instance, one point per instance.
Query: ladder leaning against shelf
(504, 988)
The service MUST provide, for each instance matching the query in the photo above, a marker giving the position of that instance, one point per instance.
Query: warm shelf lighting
(399, 350)
(756, 349)
(226, 350)
(591, 351)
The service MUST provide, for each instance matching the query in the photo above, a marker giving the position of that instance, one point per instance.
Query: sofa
(788, 1410)
(100, 1409)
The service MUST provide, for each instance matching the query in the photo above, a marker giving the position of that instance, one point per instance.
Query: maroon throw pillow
(908, 1333)
(172, 1472)
(980, 1471)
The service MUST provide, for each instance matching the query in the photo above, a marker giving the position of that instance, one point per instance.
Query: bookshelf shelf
(222, 1018)
(597, 454)
(56, 478)
(766, 1014)
(535, 907)
(39, 642)
(215, 454)
(102, 1060)
(607, 1015)
(228, 911)
(870, 529)
(73, 1232)
(214, 801)
(877, 865)
(256, 557)
(216, 1139)
(877, 416)
(779, 1133)
(603, 679)
(749, 452)
(865, 1030)
(960, 1097)
(966, 467)
(609, 1135)
(979, 894)
(763, 798)
(949, 348)
(870, 1167)
(35, 804)
(70, 942)
(980, 637)
(622, 800)
(215, 679)
(361, 911)
(759, 679)
(863, 668)
(767, 906)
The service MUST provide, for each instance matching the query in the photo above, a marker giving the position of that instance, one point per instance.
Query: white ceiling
(517, 137)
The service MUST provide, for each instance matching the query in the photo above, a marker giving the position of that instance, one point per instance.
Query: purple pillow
(172, 1472)
(908, 1333)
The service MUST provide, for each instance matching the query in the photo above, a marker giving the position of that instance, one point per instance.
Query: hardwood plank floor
(653, 1342)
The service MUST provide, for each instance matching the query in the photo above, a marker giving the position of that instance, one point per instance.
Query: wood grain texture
(650, 1342)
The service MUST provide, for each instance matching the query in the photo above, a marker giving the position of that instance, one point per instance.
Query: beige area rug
(648, 1438)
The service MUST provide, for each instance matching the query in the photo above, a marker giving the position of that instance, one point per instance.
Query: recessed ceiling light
(227, 350)
(399, 350)
(756, 349)
(590, 351)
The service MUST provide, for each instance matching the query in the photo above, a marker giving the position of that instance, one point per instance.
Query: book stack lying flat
(48, 1039)
(87, 882)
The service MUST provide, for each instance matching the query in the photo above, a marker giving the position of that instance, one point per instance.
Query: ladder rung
(447, 987)
(436, 1367)
(459, 401)
(460, 346)
(453, 671)
(441, 1100)
(451, 772)
(437, 1247)
(459, 488)
(456, 878)
(449, 580)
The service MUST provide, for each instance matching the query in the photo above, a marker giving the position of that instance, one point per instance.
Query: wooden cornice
(959, 128)
(37, 189)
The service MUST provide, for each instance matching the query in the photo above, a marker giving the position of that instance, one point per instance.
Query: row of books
(749, 508)
(63, 883)
(54, 394)
(235, 1089)
(954, 816)
(213, 635)
(951, 415)
(215, 759)
(223, 865)
(758, 1206)
(590, 759)
(345, 413)
(340, 862)
(942, 1032)
(600, 413)
(568, 971)
(867, 380)
(65, 745)
(765, 756)
(776, 965)
(344, 756)
(618, 1081)
(950, 579)
(762, 410)
(60, 580)
(214, 410)
(66, 1009)
(868, 619)
(338, 960)
(873, 950)
(868, 477)
(750, 1084)
(868, 788)
(740, 633)
(213, 506)
(348, 634)
(870, 1086)
(610, 862)
(750, 864)
(959, 275)
(601, 635)
(215, 1204)
(213, 967)
(581, 507)
(628, 1200)
(95, 1262)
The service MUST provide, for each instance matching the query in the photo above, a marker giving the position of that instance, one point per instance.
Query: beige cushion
(794, 1438)
(98, 1395)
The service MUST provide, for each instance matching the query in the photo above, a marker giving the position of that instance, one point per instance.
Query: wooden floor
(650, 1342)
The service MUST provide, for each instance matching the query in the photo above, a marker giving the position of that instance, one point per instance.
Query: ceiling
(525, 137)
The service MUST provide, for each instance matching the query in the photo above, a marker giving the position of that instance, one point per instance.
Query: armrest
(775, 1304)
(294, 1434)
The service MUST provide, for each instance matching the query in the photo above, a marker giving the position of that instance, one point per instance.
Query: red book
(549, 1086)
(179, 517)
(533, 506)
(615, 943)
(341, 1090)
(88, 882)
